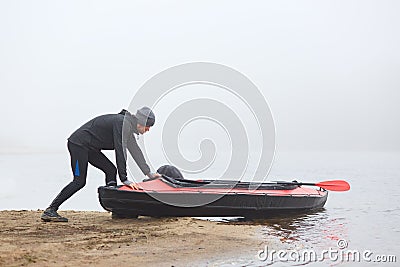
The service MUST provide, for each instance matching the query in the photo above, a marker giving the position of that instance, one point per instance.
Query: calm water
(367, 217)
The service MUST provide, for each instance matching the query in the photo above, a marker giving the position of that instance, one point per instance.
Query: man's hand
(135, 186)
(153, 175)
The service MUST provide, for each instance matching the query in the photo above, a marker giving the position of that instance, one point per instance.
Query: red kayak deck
(160, 186)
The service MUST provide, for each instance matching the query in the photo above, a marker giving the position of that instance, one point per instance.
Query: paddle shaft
(334, 185)
(295, 183)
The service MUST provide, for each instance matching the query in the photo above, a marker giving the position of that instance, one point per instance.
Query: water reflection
(313, 230)
(319, 229)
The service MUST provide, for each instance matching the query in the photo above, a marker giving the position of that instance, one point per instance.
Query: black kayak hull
(124, 203)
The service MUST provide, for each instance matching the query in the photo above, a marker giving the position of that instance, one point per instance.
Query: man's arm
(120, 150)
(137, 155)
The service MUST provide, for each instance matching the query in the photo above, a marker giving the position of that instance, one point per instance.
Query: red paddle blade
(334, 185)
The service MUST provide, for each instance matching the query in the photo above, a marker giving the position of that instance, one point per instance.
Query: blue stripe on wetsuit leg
(77, 173)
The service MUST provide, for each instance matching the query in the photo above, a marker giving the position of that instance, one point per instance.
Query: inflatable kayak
(179, 197)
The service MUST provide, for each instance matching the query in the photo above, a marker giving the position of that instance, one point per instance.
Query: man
(106, 132)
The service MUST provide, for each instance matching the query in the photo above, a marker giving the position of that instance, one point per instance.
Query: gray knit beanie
(145, 116)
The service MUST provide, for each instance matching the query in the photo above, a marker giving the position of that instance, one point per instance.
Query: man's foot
(51, 215)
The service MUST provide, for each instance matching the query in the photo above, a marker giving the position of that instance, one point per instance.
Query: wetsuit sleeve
(137, 155)
(120, 150)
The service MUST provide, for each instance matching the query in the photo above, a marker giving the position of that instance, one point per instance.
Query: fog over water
(329, 69)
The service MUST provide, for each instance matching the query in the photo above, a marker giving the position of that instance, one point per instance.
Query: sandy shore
(93, 238)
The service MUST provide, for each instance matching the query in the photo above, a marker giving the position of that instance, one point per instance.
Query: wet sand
(93, 238)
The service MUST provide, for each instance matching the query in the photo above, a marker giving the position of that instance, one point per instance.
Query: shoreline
(94, 238)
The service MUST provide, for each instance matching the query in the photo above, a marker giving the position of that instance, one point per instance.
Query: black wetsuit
(85, 145)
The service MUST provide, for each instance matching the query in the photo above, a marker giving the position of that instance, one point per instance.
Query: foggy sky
(329, 69)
